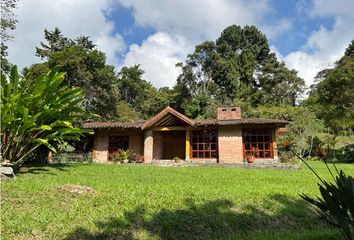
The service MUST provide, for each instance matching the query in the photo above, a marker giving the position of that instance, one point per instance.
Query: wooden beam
(188, 145)
(172, 128)
(275, 147)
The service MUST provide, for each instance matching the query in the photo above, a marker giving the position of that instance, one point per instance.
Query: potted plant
(177, 159)
(123, 155)
(252, 156)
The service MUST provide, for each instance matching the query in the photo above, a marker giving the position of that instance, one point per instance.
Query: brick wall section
(148, 146)
(158, 145)
(230, 145)
(101, 145)
(135, 145)
(101, 141)
(228, 113)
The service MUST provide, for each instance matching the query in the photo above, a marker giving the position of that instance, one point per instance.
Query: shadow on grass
(46, 168)
(217, 219)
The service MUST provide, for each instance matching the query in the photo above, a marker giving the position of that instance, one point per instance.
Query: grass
(150, 202)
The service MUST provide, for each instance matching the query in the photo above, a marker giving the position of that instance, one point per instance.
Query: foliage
(346, 153)
(85, 67)
(122, 155)
(72, 157)
(126, 112)
(7, 22)
(304, 126)
(170, 201)
(139, 95)
(177, 159)
(37, 113)
(337, 202)
(333, 95)
(349, 51)
(238, 66)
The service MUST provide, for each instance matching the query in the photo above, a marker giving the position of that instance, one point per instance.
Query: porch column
(188, 144)
(100, 152)
(275, 147)
(148, 146)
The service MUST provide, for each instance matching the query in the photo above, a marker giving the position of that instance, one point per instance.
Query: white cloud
(283, 25)
(74, 18)
(158, 55)
(198, 19)
(324, 46)
(325, 8)
(180, 25)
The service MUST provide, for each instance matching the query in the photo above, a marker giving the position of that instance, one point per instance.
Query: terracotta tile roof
(129, 124)
(170, 117)
(242, 121)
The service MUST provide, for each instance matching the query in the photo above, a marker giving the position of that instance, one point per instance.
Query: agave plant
(35, 113)
(336, 202)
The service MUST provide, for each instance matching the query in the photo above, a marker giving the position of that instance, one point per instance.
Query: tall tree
(132, 86)
(237, 67)
(7, 22)
(140, 95)
(333, 94)
(85, 67)
(349, 51)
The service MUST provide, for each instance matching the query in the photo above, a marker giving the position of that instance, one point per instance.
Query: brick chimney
(228, 113)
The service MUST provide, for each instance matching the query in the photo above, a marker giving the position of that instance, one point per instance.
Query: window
(204, 144)
(258, 142)
(115, 143)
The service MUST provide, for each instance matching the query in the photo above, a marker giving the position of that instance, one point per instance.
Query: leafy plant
(122, 155)
(177, 159)
(337, 202)
(37, 113)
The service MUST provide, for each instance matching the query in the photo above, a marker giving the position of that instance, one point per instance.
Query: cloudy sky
(308, 35)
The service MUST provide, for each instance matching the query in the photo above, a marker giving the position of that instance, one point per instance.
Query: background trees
(85, 67)
(332, 96)
(7, 22)
(238, 66)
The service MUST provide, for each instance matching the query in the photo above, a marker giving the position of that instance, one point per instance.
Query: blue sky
(308, 35)
(292, 10)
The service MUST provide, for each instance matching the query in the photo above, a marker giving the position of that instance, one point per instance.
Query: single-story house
(170, 134)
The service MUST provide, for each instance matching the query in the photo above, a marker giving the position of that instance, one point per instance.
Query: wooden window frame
(204, 148)
(256, 137)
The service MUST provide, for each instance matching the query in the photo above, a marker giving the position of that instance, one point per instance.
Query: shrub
(38, 113)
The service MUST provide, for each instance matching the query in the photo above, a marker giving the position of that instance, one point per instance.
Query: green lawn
(149, 202)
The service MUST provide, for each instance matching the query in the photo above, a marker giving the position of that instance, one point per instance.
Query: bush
(72, 157)
(346, 154)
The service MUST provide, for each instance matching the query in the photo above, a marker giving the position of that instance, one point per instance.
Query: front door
(174, 143)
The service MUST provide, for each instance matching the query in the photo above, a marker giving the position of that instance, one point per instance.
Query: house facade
(227, 139)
